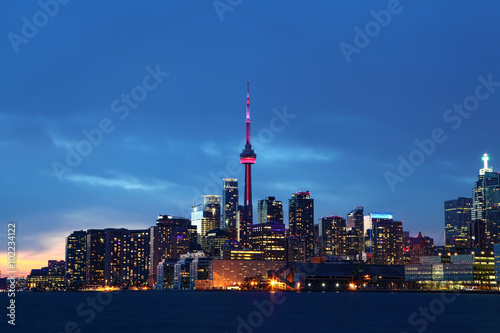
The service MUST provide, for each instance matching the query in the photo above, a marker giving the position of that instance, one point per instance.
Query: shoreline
(400, 291)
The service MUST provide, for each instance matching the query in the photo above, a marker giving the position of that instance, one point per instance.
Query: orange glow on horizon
(28, 260)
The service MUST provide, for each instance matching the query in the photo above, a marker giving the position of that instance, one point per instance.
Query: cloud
(464, 179)
(211, 149)
(59, 141)
(125, 181)
(296, 154)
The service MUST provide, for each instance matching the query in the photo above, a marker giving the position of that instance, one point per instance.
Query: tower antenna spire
(485, 159)
(486, 167)
(248, 100)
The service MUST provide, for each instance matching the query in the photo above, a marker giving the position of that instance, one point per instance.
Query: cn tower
(247, 157)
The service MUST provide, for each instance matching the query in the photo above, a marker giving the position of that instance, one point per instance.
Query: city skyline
(311, 129)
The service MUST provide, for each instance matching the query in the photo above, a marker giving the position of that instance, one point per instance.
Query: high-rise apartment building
(301, 219)
(355, 221)
(332, 235)
(211, 214)
(76, 258)
(457, 216)
(270, 210)
(229, 204)
(386, 243)
(486, 203)
(169, 239)
(269, 237)
(96, 251)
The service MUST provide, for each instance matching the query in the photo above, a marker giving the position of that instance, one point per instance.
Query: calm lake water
(251, 312)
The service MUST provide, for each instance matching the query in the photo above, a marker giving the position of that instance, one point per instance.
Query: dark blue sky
(349, 121)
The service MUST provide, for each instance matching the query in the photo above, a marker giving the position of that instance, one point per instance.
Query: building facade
(169, 239)
(50, 278)
(485, 205)
(76, 259)
(295, 248)
(457, 216)
(230, 204)
(211, 214)
(96, 251)
(474, 270)
(269, 238)
(301, 219)
(270, 210)
(386, 243)
(332, 235)
(355, 220)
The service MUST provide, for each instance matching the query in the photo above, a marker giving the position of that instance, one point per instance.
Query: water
(249, 312)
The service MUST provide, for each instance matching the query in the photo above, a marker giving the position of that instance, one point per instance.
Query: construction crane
(195, 207)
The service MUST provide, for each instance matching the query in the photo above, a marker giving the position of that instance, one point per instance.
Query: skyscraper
(211, 214)
(486, 203)
(96, 250)
(332, 235)
(247, 157)
(229, 204)
(269, 237)
(457, 216)
(126, 258)
(301, 218)
(270, 210)
(76, 258)
(355, 220)
(386, 244)
(169, 240)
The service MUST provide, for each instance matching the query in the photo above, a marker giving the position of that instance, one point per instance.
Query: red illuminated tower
(247, 157)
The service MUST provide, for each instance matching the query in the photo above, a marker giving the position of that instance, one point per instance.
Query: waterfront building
(165, 274)
(485, 205)
(230, 205)
(457, 216)
(269, 238)
(76, 258)
(301, 219)
(355, 219)
(474, 270)
(96, 251)
(168, 240)
(385, 238)
(50, 278)
(332, 236)
(182, 270)
(126, 258)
